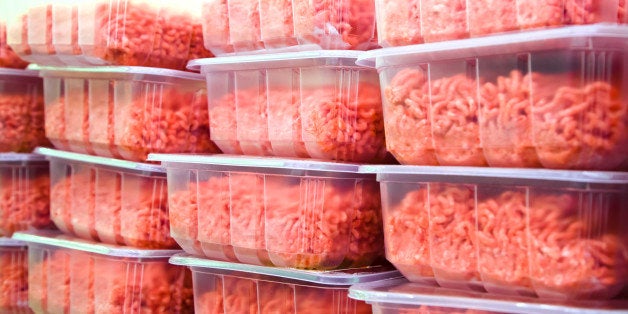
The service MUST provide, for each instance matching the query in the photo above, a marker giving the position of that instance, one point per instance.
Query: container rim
(9, 242)
(342, 277)
(417, 294)
(50, 153)
(492, 44)
(21, 157)
(51, 71)
(28, 72)
(58, 239)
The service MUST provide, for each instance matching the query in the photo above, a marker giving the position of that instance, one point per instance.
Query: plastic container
(549, 233)
(222, 287)
(403, 22)
(21, 111)
(24, 193)
(8, 58)
(315, 104)
(269, 211)
(552, 98)
(126, 112)
(396, 296)
(108, 200)
(66, 273)
(164, 33)
(13, 277)
(245, 26)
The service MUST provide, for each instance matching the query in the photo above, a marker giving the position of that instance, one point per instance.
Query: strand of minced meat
(21, 118)
(578, 248)
(444, 20)
(232, 294)
(24, 200)
(492, 16)
(399, 22)
(506, 121)
(8, 57)
(14, 280)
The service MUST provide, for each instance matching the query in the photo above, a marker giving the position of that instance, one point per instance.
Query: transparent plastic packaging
(126, 112)
(8, 58)
(66, 274)
(108, 200)
(21, 111)
(408, 22)
(398, 296)
(24, 193)
(552, 98)
(163, 33)
(13, 277)
(269, 211)
(222, 287)
(315, 104)
(245, 26)
(545, 233)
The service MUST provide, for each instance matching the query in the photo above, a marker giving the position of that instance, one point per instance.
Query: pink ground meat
(24, 203)
(323, 123)
(21, 120)
(444, 20)
(399, 22)
(8, 58)
(100, 206)
(492, 16)
(14, 280)
(241, 295)
(249, 217)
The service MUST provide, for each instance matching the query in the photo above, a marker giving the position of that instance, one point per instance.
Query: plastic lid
(57, 239)
(110, 162)
(8, 242)
(344, 277)
(276, 60)
(400, 291)
(18, 72)
(146, 73)
(599, 36)
(489, 174)
(256, 162)
(20, 157)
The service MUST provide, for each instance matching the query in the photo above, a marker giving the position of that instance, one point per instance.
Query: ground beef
(24, 200)
(21, 117)
(116, 208)
(399, 22)
(159, 119)
(244, 25)
(14, 280)
(322, 122)
(232, 294)
(329, 223)
(567, 245)
(444, 20)
(8, 58)
(492, 16)
(64, 279)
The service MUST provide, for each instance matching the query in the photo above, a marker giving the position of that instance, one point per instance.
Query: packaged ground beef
(401, 23)
(541, 100)
(8, 58)
(551, 234)
(126, 112)
(66, 273)
(322, 106)
(24, 193)
(244, 208)
(241, 26)
(109, 200)
(13, 277)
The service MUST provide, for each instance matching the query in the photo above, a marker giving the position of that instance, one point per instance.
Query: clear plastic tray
(407, 22)
(397, 296)
(269, 211)
(222, 287)
(24, 193)
(552, 98)
(14, 277)
(545, 233)
(21, 111)
(240, 27)
(8, 58)
(315, 104)
(126, 112)
(164, 33)
(67, 273)
(109, 200)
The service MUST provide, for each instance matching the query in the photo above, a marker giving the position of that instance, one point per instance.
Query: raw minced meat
(241, 295)
(21, 119)
(24, 202)
(284, 221)
(8, 57)
(14, 280)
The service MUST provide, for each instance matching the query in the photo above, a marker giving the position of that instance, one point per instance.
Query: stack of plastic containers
(512, 145)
